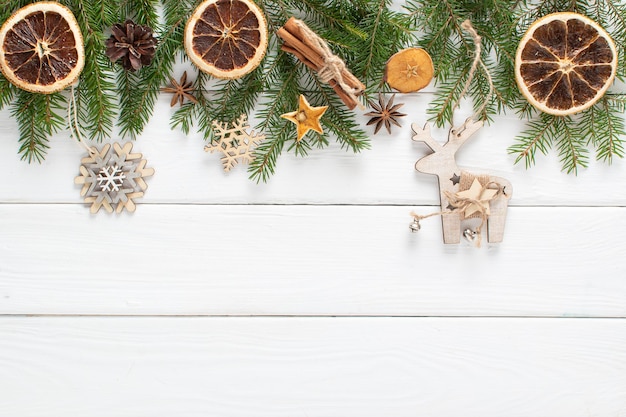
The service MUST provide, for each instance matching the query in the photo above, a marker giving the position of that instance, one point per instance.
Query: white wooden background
(308, 296)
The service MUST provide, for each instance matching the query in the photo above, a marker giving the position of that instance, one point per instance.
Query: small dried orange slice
(226, 38)
(41, 48)
(565, 63)
(409, 70)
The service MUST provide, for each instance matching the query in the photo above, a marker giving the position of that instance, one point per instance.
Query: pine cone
(134, 44)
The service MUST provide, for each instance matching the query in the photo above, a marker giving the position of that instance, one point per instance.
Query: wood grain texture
(327, 236)
(316, 367)
(306, 260)
(385, 174)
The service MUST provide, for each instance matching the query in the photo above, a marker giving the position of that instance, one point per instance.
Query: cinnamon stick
(308, 51)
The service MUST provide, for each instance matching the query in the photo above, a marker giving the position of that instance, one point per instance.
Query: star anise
(181, 90)
(134, 44)
(384, 113)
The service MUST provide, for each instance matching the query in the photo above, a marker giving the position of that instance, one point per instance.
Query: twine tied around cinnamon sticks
(315, 53)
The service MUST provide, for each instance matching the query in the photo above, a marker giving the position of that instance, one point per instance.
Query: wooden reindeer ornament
(489, 200)
(464, 195)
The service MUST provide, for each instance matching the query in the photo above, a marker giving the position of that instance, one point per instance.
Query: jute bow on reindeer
(463, 195)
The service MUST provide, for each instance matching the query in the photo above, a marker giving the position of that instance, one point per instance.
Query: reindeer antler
(423, 135)
(466, 130)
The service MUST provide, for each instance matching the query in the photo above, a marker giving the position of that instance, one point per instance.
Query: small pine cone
(134, 44)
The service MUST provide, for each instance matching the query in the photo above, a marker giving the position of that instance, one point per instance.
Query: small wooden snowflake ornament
(234, 142)
(113, 177)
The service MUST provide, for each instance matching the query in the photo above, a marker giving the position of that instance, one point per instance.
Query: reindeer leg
(498, 208)
(451, 222)
(451, 228)
(496, 221)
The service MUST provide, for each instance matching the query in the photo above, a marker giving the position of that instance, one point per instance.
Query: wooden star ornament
(306, 117)
(480, 197)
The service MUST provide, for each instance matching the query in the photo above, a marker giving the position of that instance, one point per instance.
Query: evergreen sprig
(501, 24)
(38, 117)
(601, 127)
(452, 50)
(363, 32)
(96, 101)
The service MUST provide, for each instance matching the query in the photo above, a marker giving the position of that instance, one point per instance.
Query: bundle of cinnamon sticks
(314, 53)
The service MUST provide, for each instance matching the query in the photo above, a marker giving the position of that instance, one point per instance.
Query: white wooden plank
(341, 367)
(306, 260)
(385, 174)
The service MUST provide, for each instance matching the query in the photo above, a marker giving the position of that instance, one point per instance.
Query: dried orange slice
(226, 38)
(41, 48)
(409, 70)
(565, 63)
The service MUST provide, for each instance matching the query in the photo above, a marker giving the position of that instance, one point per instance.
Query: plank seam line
(306, 205)
(312, 316)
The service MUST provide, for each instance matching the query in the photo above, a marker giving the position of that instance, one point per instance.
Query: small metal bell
(469, 235)
(415, 226)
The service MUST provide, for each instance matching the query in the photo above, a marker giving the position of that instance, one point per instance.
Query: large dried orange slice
(226, 38)
(409, 70)
(41, 48)
(565, 63)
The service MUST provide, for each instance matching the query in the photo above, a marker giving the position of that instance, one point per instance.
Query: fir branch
(237, 97)
(613, 15)
(143, 12)
(452, 52)
(370, 51)
(535, 138)
(183, 118)
(8, 8)
(363, 32)
(96, 93)
(191, 114)
(282, 92)
(322, 16)
(337, 118)
(139, 91)
(131, 118)
(441, 108)
(37, 119)
(7, 92)
(388, 32)
(263, 165)
(603, 125)
(570, 144)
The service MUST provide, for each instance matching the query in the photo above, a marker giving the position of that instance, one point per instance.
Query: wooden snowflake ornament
(113, 177)
(234, 142)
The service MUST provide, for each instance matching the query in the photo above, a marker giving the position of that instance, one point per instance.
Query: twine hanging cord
(457, 203)
(333, 65)
(72, 119)
(467, 26)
